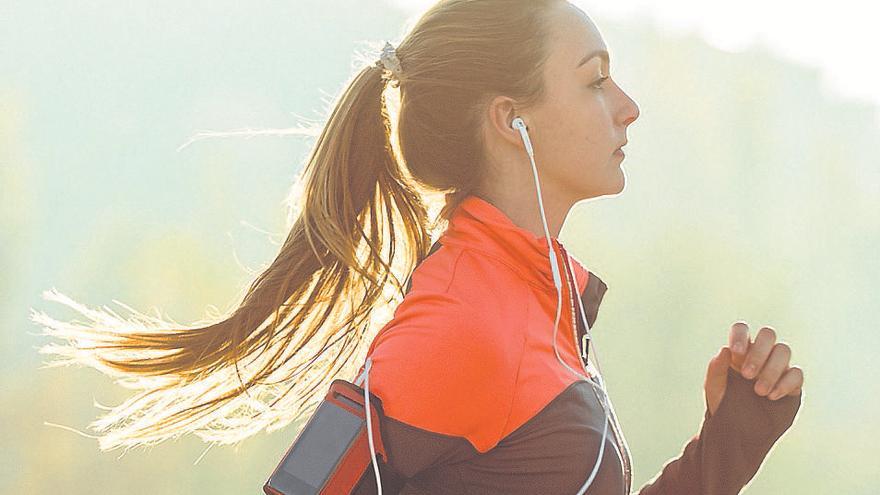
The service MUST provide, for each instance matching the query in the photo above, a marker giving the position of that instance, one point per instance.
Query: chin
(619, 183)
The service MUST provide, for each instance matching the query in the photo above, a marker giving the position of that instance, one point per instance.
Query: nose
(632, 111)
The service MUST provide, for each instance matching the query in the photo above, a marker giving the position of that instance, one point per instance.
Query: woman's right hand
(764, 358)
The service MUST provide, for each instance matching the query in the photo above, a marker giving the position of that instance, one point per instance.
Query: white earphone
(520, 125)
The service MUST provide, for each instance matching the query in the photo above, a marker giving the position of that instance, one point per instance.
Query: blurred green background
(752, 193)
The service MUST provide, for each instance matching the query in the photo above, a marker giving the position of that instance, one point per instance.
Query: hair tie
(390, 63)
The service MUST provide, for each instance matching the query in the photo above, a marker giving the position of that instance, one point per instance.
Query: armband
(331, 454)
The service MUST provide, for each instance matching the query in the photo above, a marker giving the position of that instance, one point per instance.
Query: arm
(731, 445)
(412, 453)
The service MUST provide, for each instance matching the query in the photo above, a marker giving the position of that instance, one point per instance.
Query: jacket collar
(478, 225)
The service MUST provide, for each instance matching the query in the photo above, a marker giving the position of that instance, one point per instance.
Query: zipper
(579, 349)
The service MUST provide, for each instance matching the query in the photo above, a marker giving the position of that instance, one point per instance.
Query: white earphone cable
(519, 124)
(366, 377)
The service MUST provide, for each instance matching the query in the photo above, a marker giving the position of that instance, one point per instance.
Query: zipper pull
(585, 347)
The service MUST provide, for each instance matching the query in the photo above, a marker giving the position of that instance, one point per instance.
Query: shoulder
(447, 361)
(468, 294)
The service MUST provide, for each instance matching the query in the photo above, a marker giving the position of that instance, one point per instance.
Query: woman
(473, 396)
(481, 372)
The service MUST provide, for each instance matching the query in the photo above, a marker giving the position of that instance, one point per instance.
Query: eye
(598, 83)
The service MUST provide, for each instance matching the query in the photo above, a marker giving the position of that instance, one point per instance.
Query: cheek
(578, 122)
(579, 138)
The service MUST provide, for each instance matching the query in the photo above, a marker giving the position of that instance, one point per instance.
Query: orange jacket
(477, 323)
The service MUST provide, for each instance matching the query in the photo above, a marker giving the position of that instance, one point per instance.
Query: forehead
(573, 35)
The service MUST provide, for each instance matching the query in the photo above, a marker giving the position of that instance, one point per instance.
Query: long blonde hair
(259, 366)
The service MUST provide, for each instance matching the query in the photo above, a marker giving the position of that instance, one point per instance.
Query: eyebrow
(603, 54)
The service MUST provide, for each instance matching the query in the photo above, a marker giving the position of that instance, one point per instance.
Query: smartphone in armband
(331, 454)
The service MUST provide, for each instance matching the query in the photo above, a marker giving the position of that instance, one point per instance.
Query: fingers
(774, 367)
(791, 383)
(738, 341)
(765, 359)
(758, 353)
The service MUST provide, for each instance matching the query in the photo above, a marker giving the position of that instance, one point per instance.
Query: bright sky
(840, 38)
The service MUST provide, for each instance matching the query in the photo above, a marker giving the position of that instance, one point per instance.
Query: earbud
(518, 124)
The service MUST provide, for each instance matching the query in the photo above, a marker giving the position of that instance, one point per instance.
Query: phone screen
(320, 446)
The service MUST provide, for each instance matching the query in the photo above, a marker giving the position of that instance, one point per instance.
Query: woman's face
(582, 120)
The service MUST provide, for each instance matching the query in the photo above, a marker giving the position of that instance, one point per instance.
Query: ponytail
(254, 368)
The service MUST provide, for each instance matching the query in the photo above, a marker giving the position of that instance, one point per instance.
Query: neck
(523, 210)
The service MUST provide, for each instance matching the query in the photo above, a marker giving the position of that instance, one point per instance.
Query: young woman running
(483, 371)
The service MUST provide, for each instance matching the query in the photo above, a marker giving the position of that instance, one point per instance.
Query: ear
(500, 114)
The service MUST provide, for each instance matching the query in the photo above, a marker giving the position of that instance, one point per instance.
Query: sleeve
(445, 381)
(731, 445)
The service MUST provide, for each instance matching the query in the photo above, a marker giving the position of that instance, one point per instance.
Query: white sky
(841, 38)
